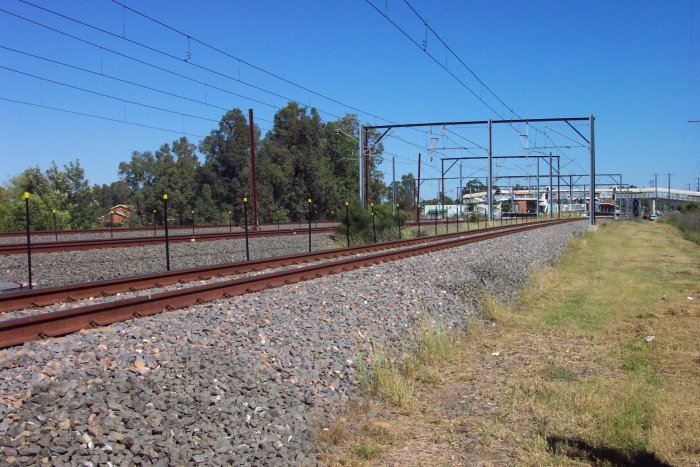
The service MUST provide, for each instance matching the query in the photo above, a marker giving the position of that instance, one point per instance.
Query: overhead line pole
(365, 168)
(551, 188)
(361, 157)
(418, 195)
(490, 180)
(592, 203)
(252, 166)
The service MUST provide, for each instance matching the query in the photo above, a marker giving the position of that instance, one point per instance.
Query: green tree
(139, 176)
(226, 167)
(42, 202)
(74, 194)
(296, 166)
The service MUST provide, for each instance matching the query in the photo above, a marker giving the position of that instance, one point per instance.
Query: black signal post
(347, 222)
(398, 219)
(245, 226)
(165, 226)
(309, 225)
(29, 237)
(374, 229)
(436, 216)
(55, 229)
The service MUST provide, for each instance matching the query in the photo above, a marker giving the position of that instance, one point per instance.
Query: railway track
(159, 229)
(73, 245)
(20, 330)
(41, 297)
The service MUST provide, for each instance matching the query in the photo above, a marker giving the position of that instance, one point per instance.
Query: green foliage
(226, 166)
(300, 158)
(64, 191)
(687, 221)
(690, 206)
(361, 222)
(366, 451)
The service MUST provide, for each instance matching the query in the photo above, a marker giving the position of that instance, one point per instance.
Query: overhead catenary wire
(128, 101)
(448, 48)
(434, 59)
(124, 81)
(190, 37)
(153, 49)
(83, 114)
(214, 71)
(142, 62)
(245, 62)
(424, 48)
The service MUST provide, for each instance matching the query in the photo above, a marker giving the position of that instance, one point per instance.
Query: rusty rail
(40, 297)
(57, 323)
(72, 245)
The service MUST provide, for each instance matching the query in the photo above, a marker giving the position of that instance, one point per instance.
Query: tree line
(301, 157)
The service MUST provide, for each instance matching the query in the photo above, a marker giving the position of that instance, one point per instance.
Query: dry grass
(567, 375)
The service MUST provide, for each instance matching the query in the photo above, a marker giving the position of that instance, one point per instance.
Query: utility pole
(459, 193)
(668, 174)
(656, 186)
(490, 180)
(418, 195)
(393, 182)
(252, 168)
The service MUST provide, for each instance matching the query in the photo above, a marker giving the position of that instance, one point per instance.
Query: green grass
(575, 376)
(366, 451)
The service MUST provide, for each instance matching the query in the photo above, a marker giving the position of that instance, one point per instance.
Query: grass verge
(599, 362)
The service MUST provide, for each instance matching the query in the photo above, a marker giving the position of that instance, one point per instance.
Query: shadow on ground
(578, 449)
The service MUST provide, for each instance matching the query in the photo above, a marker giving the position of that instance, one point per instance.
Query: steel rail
(159, 228)
(18, 331)
(72, 245)
(39, 297)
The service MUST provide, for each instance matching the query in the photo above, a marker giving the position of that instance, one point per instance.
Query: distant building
(430, 211)
(118, 215)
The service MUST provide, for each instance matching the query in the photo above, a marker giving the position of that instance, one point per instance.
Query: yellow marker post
(55, 230)
(347, 223)
(309, 215)
(165, 227)
(29, 239)
(245, 226)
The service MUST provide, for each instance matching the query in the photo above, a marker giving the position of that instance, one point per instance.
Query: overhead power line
(124, 81)
(434, 59)
(174, 57)
(245, 62)
(425, 21)
(77, 88)
(100, 117)
(190, 37)
(137, 60)
(424, 48)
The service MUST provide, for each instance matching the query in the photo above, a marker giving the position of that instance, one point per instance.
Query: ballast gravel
(66, 267)
(247, 380)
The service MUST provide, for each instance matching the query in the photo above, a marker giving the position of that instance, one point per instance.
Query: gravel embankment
(118, 232)
(67, 267)
(245, 380)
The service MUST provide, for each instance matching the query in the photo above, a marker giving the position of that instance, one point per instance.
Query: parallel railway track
(56, 323)
(73, 245)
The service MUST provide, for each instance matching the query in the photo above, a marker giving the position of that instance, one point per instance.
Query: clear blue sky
(635, 65)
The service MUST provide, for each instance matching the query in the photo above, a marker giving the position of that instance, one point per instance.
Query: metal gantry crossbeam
(364, 160)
